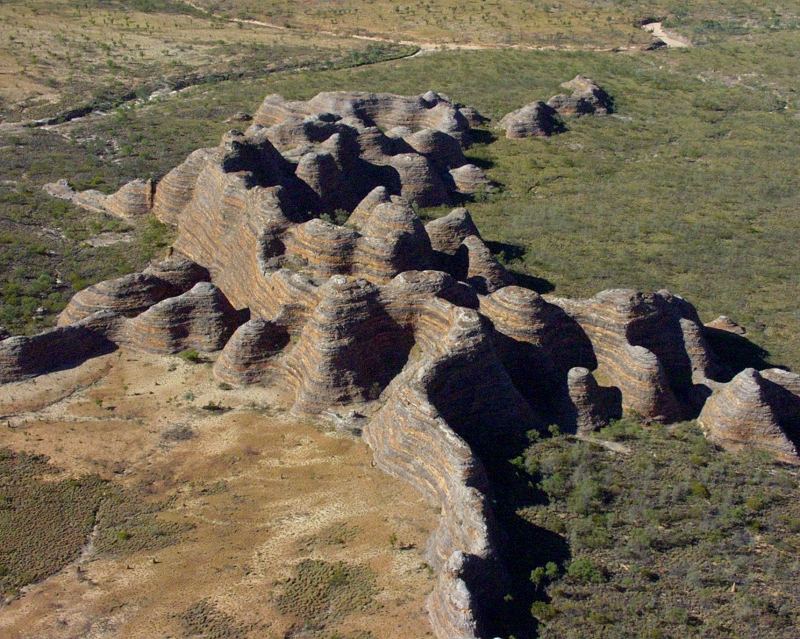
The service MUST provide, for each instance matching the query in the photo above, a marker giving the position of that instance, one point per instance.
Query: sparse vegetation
(322, 592)
(190, 355)
(45, 521)
(689, 541)
(511, 22)
(205, 619)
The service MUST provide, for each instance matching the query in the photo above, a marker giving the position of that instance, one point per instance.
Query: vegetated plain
(557, 23)
(62, 55)
(691, 185)
(671, 539)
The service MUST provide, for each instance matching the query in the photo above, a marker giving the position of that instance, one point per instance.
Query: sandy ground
(262, 490)
(670, 39)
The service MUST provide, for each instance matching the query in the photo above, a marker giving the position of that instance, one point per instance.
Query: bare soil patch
(284, 529)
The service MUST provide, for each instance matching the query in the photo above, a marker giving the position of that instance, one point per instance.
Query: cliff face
(416, 325)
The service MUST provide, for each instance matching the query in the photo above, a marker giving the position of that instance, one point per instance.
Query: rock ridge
(417, 326)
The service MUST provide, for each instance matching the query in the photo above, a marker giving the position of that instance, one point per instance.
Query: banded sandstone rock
(249, 352)
(533, 120)
(538, 343)
(586, 98)
(462, 361)
(483, 272)
(753, 411)
(589, 407)
(132, 294)
(468, 178)
(651, 347)
(448, 232)
(202, 319)
(134, 199)
(385, 110)
(473, 117)
(23, 357)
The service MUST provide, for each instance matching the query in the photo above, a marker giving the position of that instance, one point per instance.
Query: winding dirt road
(670, 39)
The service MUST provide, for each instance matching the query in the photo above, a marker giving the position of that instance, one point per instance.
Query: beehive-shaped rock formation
(418, 326)
(586, 98)
(247, 355)
(200, 319)
(542, 119)
(328, 152)
(132, 294)
(756, 410)
(132, 200)
(536, 119)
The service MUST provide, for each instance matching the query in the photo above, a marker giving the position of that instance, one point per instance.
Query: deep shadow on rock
(736, 352)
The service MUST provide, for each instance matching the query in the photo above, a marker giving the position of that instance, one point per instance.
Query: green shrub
(190, 355)
(621, 430)
(584, 570)
(698, 489)
(543, 612)
(540, 573)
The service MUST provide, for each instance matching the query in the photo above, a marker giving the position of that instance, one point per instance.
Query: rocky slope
(416, 326)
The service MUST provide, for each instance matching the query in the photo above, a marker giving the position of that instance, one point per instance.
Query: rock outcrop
(725, 323)
(132, 200)
(200, 319)
(246, 357)
(468, 179)
(650, 347)
(756, 410)
(588, 407)
(326, 154)
(543, 119)
(22, 357)
(132, 294)
(536, 119)
(587, 98)
(418, 327)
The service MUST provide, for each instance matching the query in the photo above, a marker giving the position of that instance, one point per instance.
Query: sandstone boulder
(533, 120)
(469, 179)
(725, 323)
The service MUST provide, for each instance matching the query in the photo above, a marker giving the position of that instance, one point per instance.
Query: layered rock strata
(650, 347)
(756, 410)
(536, 119)
(417, 326)
(543, 119)
(132, 294)
(327, 152)
(23, 357)
(132, 200)
(586, 98)
(200, 319)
